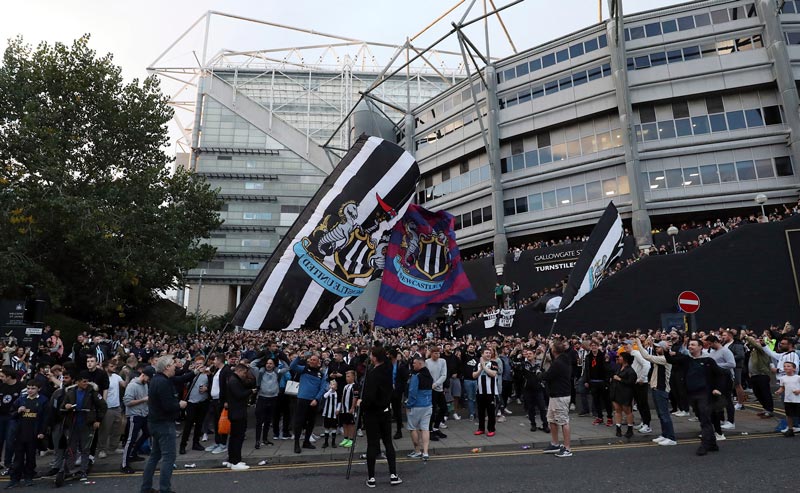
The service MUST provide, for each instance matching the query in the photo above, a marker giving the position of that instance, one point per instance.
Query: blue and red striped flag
(423, 269)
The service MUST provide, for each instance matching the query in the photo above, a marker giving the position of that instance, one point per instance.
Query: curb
(543, 441)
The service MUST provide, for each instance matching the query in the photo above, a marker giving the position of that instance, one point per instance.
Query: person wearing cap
(135, 401)
(86, 408)
(163, 408)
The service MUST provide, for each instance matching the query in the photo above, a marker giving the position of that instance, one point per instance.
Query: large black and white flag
(603, 248)
(343, 319)
(337, 244)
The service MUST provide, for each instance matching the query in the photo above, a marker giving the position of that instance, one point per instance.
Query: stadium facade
(687, 109)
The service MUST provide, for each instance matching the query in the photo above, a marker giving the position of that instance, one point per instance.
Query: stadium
(686, 113)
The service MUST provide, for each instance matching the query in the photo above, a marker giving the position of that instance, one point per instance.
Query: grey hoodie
(268, 381)
(133, 392)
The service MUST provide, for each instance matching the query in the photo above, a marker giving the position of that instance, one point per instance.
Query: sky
(136, 33)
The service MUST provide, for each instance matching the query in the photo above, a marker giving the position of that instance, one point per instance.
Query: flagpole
(205, 362)
(555, 320)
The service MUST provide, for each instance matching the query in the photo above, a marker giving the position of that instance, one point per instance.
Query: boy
(790, 388)
(30, 412)
(330, 410)
(348, 409)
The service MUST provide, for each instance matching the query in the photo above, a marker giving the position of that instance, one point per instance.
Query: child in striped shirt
(330, 412)
(348, 405)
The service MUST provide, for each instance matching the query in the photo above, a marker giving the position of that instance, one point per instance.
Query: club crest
(425, 259)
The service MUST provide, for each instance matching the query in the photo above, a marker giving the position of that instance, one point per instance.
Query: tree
(91, 213)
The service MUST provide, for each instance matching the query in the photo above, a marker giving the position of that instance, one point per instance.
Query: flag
(603, 248)
(341, 320)
(423, 269)
(335, 246)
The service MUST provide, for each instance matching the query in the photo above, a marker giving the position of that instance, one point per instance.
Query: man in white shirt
(113, 421)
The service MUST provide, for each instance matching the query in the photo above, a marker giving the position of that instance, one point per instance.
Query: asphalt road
(744, 463)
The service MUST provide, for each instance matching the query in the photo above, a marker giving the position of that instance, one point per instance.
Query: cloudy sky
(138, 32)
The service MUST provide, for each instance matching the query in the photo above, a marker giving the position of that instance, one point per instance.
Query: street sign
(689, 302)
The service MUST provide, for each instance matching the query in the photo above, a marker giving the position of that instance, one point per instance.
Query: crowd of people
(123, 390)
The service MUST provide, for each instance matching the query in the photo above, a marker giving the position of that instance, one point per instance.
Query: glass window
(680, 109)
(475, 176)
(535, 65)
(524, 96)
(719, 16)
(657, 59)
(564, 196)
(657, 180)
(616, 137)
(709, 174)
(788, 8)
(764, 168)
(487, 213)
(576, 50)
(783, 165)
(485, 172)
(714, 104)
(637, 32)
(745, 170)
(590, 45)
(691, 53)
(565, 83)
(589, 144)
(595, 73)
(457, 222)
(772, 115)
(579, 78)
(446, 187)
(757, 42)
(642, 62)
(691, 177)
(602, 41)
(700, 125)
(610, 187)
(562, 55)
(559, 152)
(649, 132)
(708, 49)
(793, 38)
(535, 202)
(594, 191)
(701, 20)
(543, 140)
(537, 91)
(522, 69)
(253, 186)
(754, 118)
(718, 122)
(638, 129)
(466, 219)
(544, 155)
(606, 70)
(573, 148)
(647, 113)
(685, 23)
(653, 29)
(508, 207)
(504, 165)
(674, 56)
(669, 26)
(666, 129)
(518, 162)
(532, 158)
(622, 185)
(579, 193)
(476, 217)
(551, 87)
(736, 120)
(548, 60)
(674, 178)
(604, 141)
(726, 47)
(549, 199)
(737, 13)
(727, 172)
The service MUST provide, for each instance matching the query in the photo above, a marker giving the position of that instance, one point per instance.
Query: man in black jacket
(239, 390)
(399, 383)
(559, 382)
(163, 409)
(375, 402)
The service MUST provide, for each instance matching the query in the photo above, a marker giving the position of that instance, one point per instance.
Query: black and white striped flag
(335, 247)
(603, 248)
(343, 319)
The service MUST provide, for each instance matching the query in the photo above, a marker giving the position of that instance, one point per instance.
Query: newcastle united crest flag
(423, 269)
(337, 244)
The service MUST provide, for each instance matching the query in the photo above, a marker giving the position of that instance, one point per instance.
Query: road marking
(533, 452)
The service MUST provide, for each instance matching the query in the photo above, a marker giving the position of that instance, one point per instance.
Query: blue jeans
(661, 399)
(470, 390)
(8, 431)
(162, 434)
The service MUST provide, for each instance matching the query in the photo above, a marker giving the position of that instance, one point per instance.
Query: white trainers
(443, 426)
(658, 439)
(219, 449)
(102, 454)
(694, 419)
(720, 437)
(667, 442)
(572, 407)
(394, 480)
(508, 411)
(361, 434)
(227, 464)
(456, 417)
(645, 430)
(241, 466)
(727, 425)
(738, 407)
(205, 437)
(211, 448)
(501, 419)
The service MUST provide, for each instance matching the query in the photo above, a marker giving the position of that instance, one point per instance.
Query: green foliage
(90, 211)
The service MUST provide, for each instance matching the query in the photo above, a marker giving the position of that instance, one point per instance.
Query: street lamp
(197, 307)
(761, 199)
(673, 232)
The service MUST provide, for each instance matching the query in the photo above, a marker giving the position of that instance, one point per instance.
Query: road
(744, 463)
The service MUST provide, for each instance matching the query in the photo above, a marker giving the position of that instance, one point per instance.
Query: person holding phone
(487, 389)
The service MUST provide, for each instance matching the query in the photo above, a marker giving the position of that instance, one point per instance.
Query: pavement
(512, 435)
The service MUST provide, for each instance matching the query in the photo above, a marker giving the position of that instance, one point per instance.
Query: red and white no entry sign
(689, 302)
